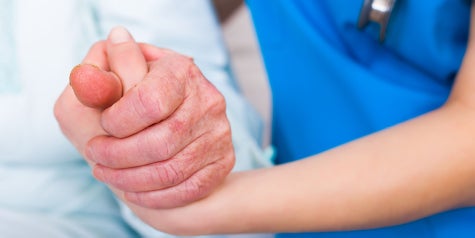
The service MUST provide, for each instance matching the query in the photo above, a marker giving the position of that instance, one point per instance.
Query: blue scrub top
(332, 82)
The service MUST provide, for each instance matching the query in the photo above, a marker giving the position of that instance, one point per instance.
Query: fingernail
(119, 35)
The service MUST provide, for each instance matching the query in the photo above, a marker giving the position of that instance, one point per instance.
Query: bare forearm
(406, 172)
(412, 170)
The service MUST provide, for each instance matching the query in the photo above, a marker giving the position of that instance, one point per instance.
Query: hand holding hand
(149, 121)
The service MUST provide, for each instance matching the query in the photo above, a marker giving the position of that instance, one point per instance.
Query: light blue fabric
(8, 77)
(46, 189)
(41, 174)
(332, 83)
(57, 201)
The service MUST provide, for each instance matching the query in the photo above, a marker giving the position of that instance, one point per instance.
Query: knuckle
(192, 70)
(155, 147)
(101, 152)
(219, 103)
(195, 189)
(167, 175)
(143, 199)
(203, 182)
(178, 125)
(152, 177)
(147, 104)
(126, 179)
(222, 132)
(226, 165)
(182, 67)
(109, 176)
(216, 101)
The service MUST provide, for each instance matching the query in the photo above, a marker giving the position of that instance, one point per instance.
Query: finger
(156, 143)
(97, 56)
(154, 99)
(93, 85)
(154, 176)
(163, 140)
(70, 113)
(153, 53)
(195, 188)
(173, 170)
(125, 58)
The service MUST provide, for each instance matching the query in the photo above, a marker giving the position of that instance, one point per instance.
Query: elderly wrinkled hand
(148, 121)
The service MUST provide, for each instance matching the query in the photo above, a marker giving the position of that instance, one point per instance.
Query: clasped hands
(148, 122)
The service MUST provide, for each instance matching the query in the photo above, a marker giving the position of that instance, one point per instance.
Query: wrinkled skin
(150, 124)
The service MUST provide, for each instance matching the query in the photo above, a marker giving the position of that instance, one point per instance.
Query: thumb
(125, 58)
(91, 81)
(94, 85)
